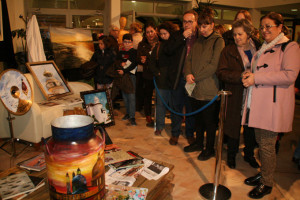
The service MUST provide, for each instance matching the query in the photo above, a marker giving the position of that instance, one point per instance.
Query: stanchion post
(216, 191)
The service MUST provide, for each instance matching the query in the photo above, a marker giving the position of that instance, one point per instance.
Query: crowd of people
(260, 73)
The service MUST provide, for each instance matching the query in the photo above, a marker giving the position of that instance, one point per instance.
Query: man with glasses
(179, 97)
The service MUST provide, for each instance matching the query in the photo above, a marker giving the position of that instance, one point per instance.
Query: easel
(12, 139)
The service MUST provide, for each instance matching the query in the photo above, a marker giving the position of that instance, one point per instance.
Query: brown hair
(220, 29)
(246, 24)
(136, 27)
(207, 16)
(245, 13)
(193, 12)
(277, 19)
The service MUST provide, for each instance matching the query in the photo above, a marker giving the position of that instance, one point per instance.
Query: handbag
(88, 69)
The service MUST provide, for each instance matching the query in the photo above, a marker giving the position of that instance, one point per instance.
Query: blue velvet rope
(181, 114)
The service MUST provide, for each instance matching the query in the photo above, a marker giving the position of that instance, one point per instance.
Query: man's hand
(190, 78)
(187, 33)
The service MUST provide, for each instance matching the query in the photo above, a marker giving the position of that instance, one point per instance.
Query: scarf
(263, 48)
(246, 61)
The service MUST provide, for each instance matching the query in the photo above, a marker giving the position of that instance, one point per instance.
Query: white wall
(15, 9)
(115, 12)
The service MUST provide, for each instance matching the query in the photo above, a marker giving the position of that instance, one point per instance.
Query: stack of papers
(153, 170)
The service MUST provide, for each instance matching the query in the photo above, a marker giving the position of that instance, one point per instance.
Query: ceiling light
(294, 10)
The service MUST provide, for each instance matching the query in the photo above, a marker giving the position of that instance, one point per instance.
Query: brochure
(114, 154)
(36, 163)
(189, 88)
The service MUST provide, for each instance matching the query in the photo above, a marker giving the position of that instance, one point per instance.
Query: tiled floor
(191, 173)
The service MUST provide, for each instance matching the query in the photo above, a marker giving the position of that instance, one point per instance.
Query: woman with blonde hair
(234, 60)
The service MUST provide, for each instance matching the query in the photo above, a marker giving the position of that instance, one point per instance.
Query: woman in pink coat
(270, 100)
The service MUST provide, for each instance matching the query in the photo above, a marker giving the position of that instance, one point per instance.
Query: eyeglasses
(126, 42)
(188, 22)
(267, 27)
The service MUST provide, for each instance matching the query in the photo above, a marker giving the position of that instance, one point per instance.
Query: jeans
(161, 109)
(129, 100)
(180, 99)
(297, 151)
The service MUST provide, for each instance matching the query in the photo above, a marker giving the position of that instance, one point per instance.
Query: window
(167, 8)
(87, 4)
(229, 14)
(145, 7)
(68, 13)
(48, 4)
(85, 21)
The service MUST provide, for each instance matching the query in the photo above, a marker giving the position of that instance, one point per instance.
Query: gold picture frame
(49, 79)
(1, 23)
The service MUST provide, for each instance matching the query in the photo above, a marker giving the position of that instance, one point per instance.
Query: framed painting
(49, 79)
(297, 34)
(99, 106)
(1, 23)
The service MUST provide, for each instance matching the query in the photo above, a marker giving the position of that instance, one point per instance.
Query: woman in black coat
(235, 59)
(164, 65)
(104, 57)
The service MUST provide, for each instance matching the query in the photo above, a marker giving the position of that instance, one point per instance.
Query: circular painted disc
(15, 92)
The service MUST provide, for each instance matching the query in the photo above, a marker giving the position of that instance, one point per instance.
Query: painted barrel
(75, 159)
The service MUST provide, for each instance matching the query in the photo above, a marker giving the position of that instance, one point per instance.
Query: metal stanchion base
(207, 191)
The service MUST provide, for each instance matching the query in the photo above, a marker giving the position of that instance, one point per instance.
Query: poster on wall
(71, 47)
(1, 22)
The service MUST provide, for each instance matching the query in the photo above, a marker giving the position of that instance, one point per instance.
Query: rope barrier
(181, 114)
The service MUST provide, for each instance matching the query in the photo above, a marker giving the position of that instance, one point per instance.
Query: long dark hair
(168, 26)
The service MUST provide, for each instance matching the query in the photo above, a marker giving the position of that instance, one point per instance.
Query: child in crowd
(105, 58)
(128, 64)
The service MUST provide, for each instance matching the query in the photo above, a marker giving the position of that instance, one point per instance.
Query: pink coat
(281, 70)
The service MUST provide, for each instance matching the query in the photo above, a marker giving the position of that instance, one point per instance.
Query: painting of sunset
(71, 47)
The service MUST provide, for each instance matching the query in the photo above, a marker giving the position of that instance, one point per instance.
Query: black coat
(144, 49)
(105, 60)
(164, 63)
(229, 72)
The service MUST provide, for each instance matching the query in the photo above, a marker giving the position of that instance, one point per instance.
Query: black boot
(252, 161)
(231, 161)
(254, 180)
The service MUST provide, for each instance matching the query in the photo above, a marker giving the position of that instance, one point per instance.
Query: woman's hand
(248, 79)
(143, 59)
(121, 72)
(190, 78)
